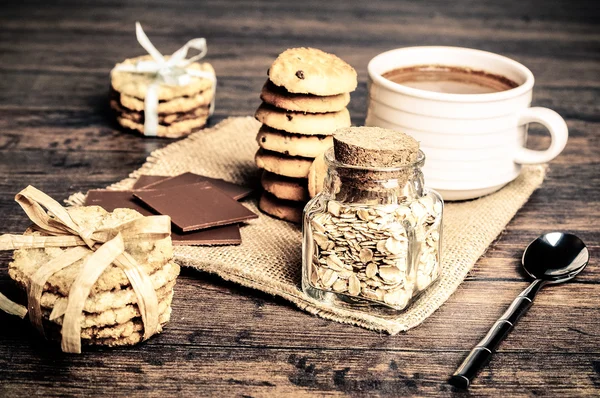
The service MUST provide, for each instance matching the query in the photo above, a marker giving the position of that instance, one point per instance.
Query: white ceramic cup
(473, 143)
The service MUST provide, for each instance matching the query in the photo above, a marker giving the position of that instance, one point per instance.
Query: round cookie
(284, 188)
(175, 130)
(136, 84)
(180, 117)
(281, 98)
(176, 105)
(288, 166)
(282, 209)
(164, 119)
(292, 144)
(316, 175)
(129, 333)
(123, 330)
(100, 302)
(151, 256)
(302, 123)
(117, 316)
(134, 338)
(312, 71)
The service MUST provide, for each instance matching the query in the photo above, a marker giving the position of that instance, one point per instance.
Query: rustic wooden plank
(204, 371)
(510, 18)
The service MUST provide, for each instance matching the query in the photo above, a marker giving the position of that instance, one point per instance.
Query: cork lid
(374, 147)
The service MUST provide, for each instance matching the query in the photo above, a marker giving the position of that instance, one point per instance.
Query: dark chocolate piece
(195, 206)
(234, 191)
(224, 235)
(146, 180)
(111, 200)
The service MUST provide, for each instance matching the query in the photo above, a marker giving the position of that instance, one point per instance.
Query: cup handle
(558, 132)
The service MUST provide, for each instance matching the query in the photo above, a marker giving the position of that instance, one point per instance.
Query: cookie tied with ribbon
(92, 277)
(165, 96)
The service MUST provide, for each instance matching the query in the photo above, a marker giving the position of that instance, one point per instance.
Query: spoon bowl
(555, 257)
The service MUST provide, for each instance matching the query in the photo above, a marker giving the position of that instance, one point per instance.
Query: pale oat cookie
(282, 209)
(316, 175)
(151, 255)
(121, 315)
(180, 117)
(134, 339)
(302, 123)
(281, 98)
(106, 300)
(165, 119)
(288, 166)
(312, 71)
(176, 105)
(174, 130)
(136, 84)
(285, 188)
(292, 144)
(123, 331)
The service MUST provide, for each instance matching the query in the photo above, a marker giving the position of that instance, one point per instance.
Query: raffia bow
(173, 71)
(102, 247)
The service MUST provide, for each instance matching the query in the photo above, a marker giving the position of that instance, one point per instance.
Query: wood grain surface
(56, 133)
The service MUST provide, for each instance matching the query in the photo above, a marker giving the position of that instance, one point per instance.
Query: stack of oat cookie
(304, 102)
(181, 109)
(111, 316)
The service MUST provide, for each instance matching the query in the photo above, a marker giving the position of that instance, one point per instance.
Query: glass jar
(372, 237)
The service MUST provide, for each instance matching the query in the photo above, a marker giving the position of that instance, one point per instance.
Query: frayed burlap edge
(226, 151)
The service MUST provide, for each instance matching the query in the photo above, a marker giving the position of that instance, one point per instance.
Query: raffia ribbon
(173, 71)
(107, 246)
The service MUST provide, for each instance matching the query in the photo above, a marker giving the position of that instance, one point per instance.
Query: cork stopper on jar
(374, 147)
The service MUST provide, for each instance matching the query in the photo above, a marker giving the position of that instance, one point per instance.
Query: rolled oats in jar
(372, 237)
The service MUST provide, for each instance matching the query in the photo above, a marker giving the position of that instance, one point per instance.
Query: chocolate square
(195, 206)
(237, 192)
(146, 180)
(224, 235)
(111, 200)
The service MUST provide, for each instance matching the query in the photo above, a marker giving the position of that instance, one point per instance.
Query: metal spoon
(552, 258)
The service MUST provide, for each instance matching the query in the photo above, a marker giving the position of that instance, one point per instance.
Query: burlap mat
(269, 258)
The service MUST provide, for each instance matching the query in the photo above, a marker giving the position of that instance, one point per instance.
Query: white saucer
(466, 194)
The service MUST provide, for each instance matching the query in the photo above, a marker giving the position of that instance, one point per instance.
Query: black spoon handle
(482, 353)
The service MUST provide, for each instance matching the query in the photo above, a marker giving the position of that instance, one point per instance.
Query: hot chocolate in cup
(469, 109)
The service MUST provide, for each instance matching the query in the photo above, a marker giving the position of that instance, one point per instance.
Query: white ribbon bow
(172, 72)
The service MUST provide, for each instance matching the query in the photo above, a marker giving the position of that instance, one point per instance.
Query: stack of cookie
(181, 109)
(304, 102)
(111, 316)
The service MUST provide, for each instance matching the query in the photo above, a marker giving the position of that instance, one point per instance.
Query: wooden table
(56, 134)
